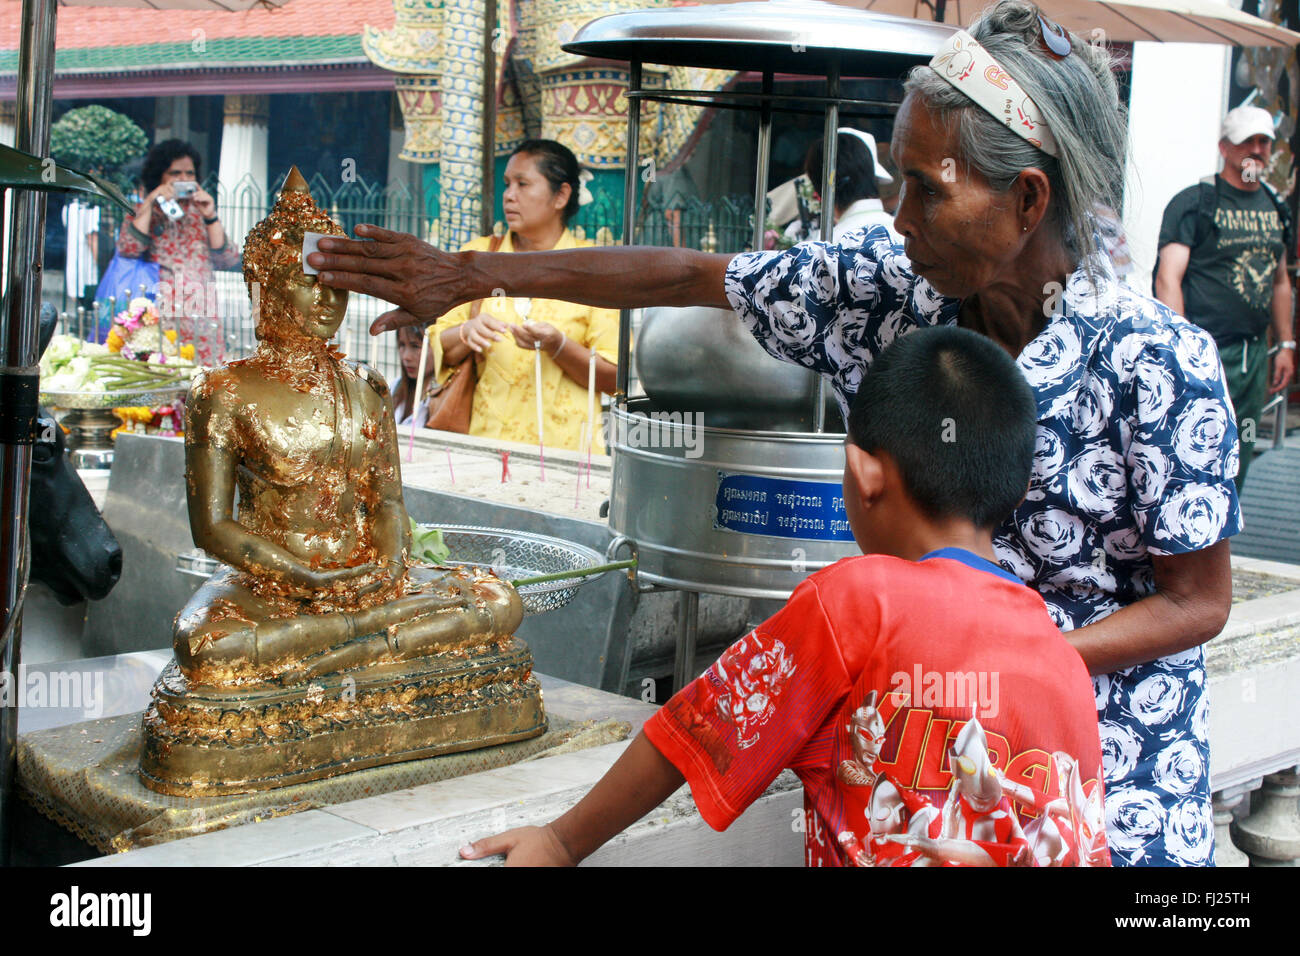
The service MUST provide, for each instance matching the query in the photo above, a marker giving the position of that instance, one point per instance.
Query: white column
(1179, 95)
(242, 168)
(8, 137)
(241, 203)
(8, 123)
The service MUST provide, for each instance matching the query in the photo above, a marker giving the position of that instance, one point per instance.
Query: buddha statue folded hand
(322, 647)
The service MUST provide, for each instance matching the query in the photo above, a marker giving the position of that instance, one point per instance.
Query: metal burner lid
(782, 36)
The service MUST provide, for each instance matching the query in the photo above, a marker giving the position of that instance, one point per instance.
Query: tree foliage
(97, 139)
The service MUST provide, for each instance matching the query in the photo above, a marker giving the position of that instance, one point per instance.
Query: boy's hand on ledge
(525, 846)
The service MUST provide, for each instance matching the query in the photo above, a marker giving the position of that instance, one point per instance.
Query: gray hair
(1077, 96)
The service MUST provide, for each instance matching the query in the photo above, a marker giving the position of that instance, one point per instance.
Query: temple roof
(104, 39)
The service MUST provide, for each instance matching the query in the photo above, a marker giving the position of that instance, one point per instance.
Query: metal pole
(830, 159)
(764, 158)
(688, 629)
(489, 173)
(629, 217)
(19, 376)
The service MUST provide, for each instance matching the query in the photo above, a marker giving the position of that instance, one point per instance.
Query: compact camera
(171, 207)
(185, 188)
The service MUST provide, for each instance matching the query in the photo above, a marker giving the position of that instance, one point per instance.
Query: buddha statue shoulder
(319, 586)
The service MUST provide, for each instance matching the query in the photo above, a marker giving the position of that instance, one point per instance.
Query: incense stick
(575, 573)
(537, 368)
(577, 492)
(415, 399)
(591, 410)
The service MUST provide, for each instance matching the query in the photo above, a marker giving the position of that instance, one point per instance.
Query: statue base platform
(202, 742)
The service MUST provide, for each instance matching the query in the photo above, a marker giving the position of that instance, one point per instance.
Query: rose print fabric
(933, 712)
(186, 286)
(1136, 451)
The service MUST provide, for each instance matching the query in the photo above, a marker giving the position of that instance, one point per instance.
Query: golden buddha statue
(322, 647)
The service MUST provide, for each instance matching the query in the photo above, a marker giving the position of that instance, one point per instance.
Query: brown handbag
(451, 402)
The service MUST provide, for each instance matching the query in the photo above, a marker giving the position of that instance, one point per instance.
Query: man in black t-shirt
(1223, 254)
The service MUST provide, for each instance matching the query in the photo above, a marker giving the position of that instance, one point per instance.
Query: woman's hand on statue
(526, 846)
(483, 331)
(423, 282)
(528, 335)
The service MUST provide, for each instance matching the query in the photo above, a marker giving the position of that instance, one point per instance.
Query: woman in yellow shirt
(541, 196)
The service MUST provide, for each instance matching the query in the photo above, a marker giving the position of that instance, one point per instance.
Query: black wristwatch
(209, 221)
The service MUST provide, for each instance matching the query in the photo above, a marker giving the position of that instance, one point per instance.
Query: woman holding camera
(177, 226)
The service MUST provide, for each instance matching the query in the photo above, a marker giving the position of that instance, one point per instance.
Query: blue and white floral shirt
(1136, 452)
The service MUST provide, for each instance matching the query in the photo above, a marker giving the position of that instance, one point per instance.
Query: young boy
(921, 693)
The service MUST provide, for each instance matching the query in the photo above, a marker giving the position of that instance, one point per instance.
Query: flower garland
(137, 335)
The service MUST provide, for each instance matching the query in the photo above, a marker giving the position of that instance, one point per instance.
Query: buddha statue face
(314, 309)
(289, 303)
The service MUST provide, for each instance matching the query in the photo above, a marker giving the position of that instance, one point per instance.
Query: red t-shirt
(933, 711)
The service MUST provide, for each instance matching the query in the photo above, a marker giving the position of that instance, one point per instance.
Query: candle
(450, 471)
(505, 466)
(419, 393)
(577, 492)
(591, 409)
(374, 352)
(537, 368)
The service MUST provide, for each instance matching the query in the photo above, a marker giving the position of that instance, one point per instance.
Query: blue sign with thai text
(781, 507)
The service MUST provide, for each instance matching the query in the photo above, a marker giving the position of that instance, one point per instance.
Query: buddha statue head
(290, 305)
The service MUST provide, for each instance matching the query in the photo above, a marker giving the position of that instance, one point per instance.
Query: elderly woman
(1123, 529)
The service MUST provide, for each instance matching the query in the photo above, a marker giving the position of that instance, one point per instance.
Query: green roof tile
(231, 51)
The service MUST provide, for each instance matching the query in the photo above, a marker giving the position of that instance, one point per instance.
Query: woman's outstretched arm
(424, 282)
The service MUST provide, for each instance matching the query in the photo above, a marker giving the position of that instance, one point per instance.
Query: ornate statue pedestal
(203, 742)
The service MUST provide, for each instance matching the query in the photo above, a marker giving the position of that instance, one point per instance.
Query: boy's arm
(638, 782)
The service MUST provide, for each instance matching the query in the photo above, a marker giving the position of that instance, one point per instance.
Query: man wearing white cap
(857, 199)
(1223, 254)
(858, 170)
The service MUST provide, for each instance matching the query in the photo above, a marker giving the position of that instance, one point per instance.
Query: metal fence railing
(721, 225)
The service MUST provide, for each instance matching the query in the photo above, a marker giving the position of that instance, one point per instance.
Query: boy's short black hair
(957, 416)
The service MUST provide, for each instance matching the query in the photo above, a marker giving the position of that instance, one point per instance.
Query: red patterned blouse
(187, 292)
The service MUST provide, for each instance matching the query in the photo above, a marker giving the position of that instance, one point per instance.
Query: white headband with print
(971, 68)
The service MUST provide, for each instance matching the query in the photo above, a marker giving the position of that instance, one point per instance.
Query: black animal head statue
(73, 551)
